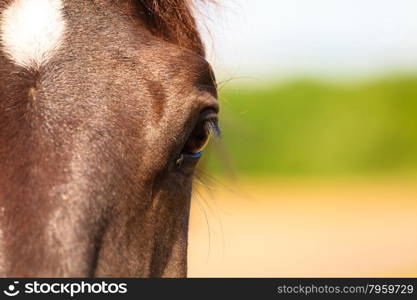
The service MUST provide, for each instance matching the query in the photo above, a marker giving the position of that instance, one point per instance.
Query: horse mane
(172, 20)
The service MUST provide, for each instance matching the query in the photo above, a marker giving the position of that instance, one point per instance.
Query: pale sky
(319, 37)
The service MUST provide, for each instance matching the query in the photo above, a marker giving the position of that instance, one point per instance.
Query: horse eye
(200, 136)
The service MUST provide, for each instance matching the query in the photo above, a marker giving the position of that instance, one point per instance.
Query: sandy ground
(282, 228)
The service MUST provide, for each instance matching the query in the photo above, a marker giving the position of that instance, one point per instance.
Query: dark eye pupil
(197, 140)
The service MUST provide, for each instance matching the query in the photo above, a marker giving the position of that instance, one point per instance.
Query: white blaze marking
(31, 31)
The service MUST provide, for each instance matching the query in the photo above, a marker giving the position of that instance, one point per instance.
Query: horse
(105, 108)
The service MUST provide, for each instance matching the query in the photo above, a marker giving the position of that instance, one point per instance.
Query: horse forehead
(32, 31)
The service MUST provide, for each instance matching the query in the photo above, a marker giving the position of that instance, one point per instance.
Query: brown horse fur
(89, 184)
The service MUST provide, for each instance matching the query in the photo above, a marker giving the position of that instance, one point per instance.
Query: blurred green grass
(313, 128)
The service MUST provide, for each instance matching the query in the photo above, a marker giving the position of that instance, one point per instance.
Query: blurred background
(315, 173)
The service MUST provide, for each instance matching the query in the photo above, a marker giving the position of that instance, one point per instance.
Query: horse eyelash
(212, 128)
